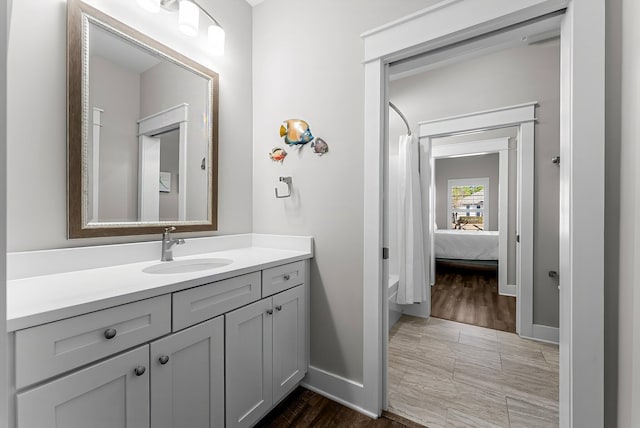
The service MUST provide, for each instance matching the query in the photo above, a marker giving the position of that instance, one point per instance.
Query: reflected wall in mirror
(142, 134)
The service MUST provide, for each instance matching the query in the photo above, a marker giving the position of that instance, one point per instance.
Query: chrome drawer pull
(110, 333)
(139, 371)
(279, 308)
(269, 311)
(164, 359)
(287, 277)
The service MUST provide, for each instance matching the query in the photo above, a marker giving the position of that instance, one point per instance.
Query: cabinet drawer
(54, 348)
(205, 302)
(281, 278)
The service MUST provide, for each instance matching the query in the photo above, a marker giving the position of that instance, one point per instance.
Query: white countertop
(41, 299)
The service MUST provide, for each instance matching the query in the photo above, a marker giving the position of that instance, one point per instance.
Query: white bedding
(466, 244)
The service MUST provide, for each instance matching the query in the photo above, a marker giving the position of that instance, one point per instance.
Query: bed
(466, 244)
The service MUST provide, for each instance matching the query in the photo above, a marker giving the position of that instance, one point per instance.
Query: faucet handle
(167, 231)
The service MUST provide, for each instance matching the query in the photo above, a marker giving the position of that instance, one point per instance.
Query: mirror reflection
(149, 137)
(142, 132)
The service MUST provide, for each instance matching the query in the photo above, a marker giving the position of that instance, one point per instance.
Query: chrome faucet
(167, 243)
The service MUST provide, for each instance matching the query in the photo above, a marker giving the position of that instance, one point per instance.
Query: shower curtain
(411, 286)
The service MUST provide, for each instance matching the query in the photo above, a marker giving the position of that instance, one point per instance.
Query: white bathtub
(394, 309)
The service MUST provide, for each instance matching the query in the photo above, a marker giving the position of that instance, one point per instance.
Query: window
(468, 204)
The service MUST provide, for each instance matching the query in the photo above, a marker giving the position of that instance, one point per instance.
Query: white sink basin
(185, 266)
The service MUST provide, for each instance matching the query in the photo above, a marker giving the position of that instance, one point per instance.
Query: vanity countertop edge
(42, 299)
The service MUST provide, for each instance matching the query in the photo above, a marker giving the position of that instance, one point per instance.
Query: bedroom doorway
(474, 202)
(479, 232)
(440, 30)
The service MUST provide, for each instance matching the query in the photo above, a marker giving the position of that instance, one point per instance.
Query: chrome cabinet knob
(139, 371)
(110, 333)
(287, 277)
(269, 311)
(164, 359)
(279, 308)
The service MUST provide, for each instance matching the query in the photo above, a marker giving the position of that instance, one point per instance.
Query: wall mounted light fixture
(189, 19)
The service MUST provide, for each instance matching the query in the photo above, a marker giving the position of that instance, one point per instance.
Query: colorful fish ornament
(319, 146)
(296, 132)
(278, 154)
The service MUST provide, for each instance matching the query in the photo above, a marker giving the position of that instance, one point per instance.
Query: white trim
(337, 388)
(503, 222)
(509, 290)
(582, 214)
(522, 117)
(449, 22)
(494, 145)
(522, 35)
(505, 116)
(544, 333)
(148, 178)
(4, 352)
(164, 120)
(524, 229)
(375, 97)
(581, 181)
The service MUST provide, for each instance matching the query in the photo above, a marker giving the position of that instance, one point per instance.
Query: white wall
(508, 77)
(36, 142)
(118, 94)
(307, 64)
(622, 240)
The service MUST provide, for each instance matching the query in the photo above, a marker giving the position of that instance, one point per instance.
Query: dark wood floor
(304, 408)
(469, 294)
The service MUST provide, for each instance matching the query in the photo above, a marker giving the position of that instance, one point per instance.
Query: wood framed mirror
(142, 132)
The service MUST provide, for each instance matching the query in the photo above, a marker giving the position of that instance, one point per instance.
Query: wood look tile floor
(469, 294)
(448, 374)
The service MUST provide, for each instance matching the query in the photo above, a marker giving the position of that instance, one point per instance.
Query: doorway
(582, 143)
(468, 158)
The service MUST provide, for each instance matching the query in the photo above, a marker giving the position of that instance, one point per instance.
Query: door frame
(176, 117)
(581, 181)
(498, 146)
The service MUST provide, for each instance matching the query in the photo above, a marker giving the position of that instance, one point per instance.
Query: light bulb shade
(152, 6)
(216, 40)
(188, 18)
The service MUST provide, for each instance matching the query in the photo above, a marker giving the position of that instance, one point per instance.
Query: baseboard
(337, 388)
(509, 290)
(545, 333)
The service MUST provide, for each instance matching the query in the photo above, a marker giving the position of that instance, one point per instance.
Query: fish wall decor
(319, 146)
(278, 154)
(296, 132)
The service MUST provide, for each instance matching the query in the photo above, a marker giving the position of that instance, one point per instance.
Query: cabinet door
(187, 377)
(289, 333)
(248, 363)
(111, 394)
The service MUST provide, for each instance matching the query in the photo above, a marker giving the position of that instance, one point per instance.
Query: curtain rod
(404, 119)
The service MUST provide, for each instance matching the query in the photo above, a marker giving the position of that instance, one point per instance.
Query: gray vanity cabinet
(216, 355)
(111, 394)
(289, 335)
(265, 354)
(187, 377)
